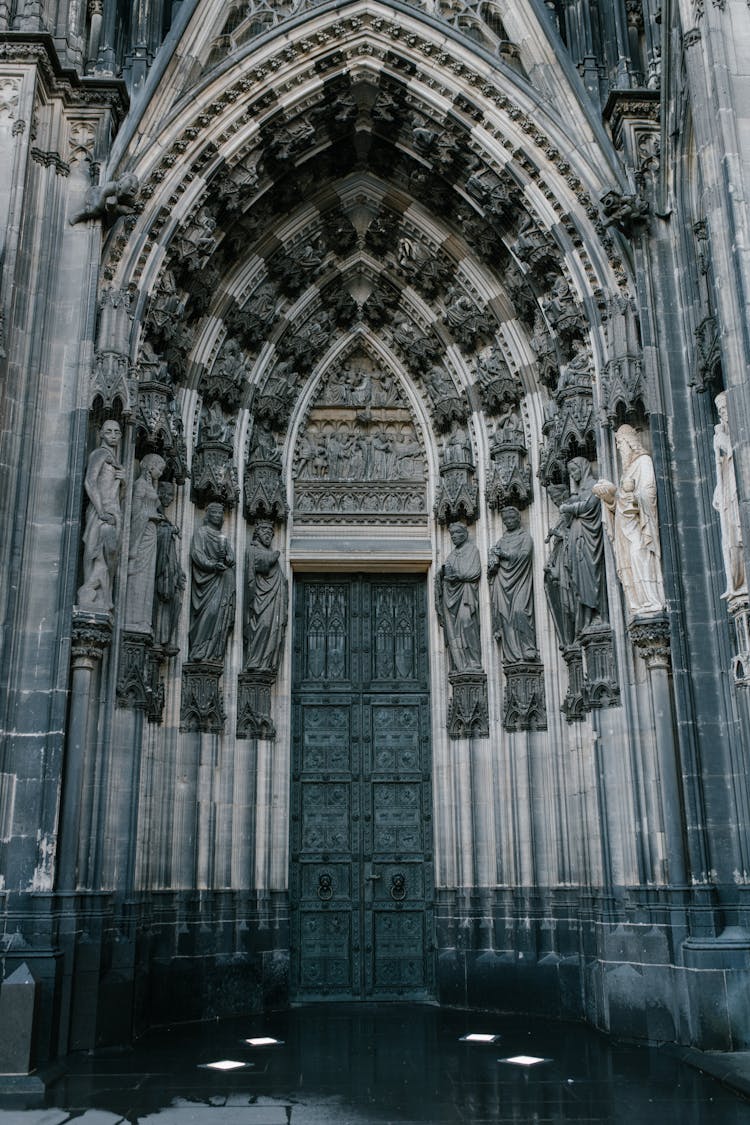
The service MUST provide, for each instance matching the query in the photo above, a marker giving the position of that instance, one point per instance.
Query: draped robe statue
(632, 524)
(457, 601)
(169, 583)
(510, 568)
(145, 516)
(583, 556)
(104, 485)
(557, 583)
(212, 593)
(726, 503)
(266, 600)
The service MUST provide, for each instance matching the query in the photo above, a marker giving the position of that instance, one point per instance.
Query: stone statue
(557, 585)
(110, 200)
(145, 516)
(632, 524)
(583, 556)
(266, 602)
(170, 578)
(727, 505)
(212, 594)
(457, 601)
(510, 568)
(104, 485)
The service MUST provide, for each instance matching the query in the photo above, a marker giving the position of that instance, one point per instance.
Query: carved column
(650, 635)
(91, 635)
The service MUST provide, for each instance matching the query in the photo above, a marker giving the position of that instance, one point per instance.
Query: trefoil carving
(468, 711)
(202, 705)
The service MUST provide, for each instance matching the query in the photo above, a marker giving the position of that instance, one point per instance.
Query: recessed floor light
(225, 1064)
(477, 1037)
(523, 1060)
(264, 1041)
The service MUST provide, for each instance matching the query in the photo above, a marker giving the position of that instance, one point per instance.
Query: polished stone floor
(362, 1065)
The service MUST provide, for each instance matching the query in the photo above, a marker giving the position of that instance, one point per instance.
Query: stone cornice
(38, 49)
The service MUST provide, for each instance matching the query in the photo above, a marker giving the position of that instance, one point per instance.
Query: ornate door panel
(361, 875)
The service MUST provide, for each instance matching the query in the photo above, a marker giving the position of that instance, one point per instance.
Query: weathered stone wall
(357, 286)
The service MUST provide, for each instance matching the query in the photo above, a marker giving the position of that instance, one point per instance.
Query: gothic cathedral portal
(361, 829)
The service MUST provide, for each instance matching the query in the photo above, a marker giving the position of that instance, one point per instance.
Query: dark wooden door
(361, 833)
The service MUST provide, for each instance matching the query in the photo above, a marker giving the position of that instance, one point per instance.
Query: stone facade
(360, 285)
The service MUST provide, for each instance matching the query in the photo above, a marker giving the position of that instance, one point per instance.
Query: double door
(361, 879)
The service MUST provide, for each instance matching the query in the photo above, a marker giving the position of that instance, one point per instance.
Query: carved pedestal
(574, 705)
(135, 671)
(600, 686)
(254, 719)
(524, 707)
(202, 706)
(468, 713)
(739, 611)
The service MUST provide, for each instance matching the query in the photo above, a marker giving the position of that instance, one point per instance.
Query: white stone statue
(631, 518)
(726, 503)
(145, 515)
(104, 485)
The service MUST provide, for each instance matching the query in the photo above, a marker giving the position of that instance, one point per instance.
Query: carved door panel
(361, 874)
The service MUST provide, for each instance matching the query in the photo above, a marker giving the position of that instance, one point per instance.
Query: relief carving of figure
(170, 578)
(727, 505)
(584, 551)
(145, 516)
(457, 601)
(212, 593)
(510, 568)
(214, 426)
(104, 485)
(632, 523)
(266, 600)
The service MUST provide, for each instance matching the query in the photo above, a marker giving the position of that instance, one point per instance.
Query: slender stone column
(651, 638)
(92, 633)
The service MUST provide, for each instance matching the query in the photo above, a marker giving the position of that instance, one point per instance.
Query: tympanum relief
(359, 457)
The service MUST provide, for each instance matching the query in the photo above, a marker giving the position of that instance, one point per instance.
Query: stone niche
(359, 457)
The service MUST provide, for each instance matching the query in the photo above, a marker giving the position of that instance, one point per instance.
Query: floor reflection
(351, 1065)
